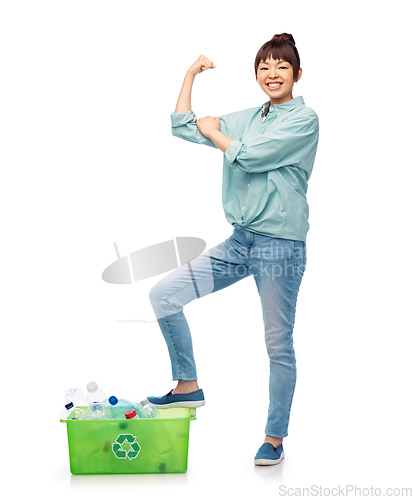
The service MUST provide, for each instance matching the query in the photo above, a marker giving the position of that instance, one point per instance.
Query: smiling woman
(277, 68)
(269, 152)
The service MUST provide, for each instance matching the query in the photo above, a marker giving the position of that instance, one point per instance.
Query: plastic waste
(97, 411)
(72, 412)
(139, 411)
(118, 407)
(76, 396)
(94, 393)
(130, 414)
(150, 411)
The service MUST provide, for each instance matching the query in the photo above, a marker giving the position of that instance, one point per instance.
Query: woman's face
(276, 79)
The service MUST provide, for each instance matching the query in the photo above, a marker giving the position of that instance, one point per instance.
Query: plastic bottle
(118, 407)
(94, 393)
(130, 414)
(150, 411)
(76, 396)
(72, 412)
(96, 411)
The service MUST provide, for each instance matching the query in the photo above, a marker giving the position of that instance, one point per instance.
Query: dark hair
(280, 47)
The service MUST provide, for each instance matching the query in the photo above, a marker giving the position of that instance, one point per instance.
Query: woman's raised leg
(213, 270)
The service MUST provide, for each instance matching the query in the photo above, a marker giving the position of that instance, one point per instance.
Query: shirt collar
(285, 106)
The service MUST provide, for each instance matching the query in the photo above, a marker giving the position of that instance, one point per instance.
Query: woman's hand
(208, 124)
(200, 65)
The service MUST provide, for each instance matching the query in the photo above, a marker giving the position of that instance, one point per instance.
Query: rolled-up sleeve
(184, 126)
(285, 145)
(181, 119)
(232, 151)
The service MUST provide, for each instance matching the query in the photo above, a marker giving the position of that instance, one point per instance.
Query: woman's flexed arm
(184, 99)
(184, 123)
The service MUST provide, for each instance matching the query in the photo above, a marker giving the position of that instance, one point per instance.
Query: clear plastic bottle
(131, 414)
(138, 408)
(76, 396)
(150, 411)
(96, 411)
(72, 412)
(139, 411)
(94, 394)
(118, 407)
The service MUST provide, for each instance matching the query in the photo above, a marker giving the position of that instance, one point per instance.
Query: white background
(88, 159)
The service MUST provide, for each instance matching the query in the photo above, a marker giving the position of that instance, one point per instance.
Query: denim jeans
(278, 266)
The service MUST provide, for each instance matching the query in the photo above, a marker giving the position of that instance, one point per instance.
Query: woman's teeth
(274, 85)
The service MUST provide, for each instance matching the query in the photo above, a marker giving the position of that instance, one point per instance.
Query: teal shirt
(266, 167)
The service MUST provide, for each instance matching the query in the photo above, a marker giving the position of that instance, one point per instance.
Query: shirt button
(278, 114)
(242, 208)
(248, 185)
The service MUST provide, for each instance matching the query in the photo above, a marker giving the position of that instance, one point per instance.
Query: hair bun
(284, 36)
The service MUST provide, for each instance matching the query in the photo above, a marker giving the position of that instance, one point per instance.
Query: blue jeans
(278, 266)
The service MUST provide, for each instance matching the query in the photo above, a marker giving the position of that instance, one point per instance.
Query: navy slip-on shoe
(191, 400)
(268, 455)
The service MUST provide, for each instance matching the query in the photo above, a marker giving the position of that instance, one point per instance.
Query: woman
(269, 152)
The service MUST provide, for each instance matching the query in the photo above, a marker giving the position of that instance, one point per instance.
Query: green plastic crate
(135, 446)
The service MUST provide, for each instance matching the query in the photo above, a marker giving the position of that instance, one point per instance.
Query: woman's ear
(300, 72)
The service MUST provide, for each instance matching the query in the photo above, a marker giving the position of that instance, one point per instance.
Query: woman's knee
(280, 348)
(156, 294)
